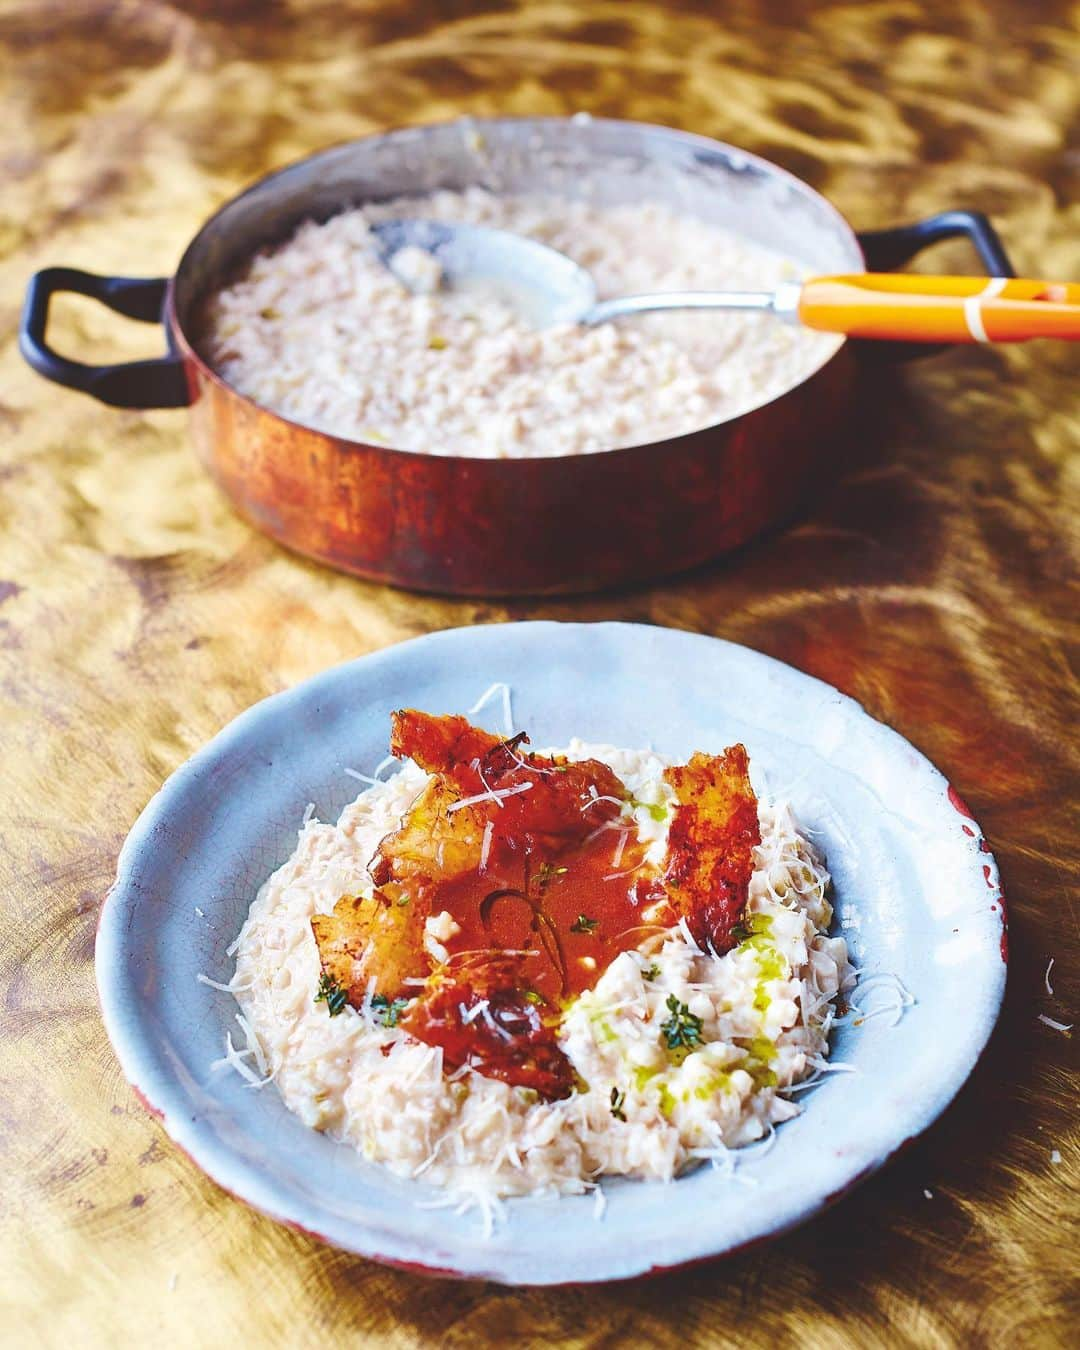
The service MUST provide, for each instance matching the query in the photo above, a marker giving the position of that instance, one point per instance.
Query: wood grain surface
(936, 582)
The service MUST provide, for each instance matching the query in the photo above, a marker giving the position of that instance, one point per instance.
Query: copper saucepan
(469, 526)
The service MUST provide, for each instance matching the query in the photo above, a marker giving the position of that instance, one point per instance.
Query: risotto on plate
(510, 972)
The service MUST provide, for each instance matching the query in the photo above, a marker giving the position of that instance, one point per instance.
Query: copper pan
(466, 526)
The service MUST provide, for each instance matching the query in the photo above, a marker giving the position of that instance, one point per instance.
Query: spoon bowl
(543, 286)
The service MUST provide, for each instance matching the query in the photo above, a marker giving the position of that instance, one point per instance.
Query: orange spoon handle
(912, 308)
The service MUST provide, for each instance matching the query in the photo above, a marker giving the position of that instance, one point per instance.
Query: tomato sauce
(572, 912)
(539, 865)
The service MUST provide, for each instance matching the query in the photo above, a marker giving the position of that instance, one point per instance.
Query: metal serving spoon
(545, 287)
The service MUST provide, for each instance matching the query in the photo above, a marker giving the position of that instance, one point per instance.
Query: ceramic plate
(916, 892)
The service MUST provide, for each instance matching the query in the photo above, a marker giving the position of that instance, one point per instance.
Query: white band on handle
(973, 307)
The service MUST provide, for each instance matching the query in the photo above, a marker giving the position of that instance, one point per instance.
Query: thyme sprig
(682, 1030)
(385, 1012)
(332, 994)
(583, 924)
(546, 872)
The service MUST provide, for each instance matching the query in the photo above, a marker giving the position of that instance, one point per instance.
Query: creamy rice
(766, 1008)
(319, 330)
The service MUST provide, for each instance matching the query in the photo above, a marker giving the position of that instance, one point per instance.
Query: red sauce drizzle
(538, 863)
(576, 911)
(563, 874)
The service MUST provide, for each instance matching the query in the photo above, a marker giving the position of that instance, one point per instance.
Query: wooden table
(935, 583)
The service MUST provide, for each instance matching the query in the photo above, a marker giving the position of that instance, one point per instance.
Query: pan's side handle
(158, 383)
(886, 250)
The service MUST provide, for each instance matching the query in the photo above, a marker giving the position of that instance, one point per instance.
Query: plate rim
(130, 1040)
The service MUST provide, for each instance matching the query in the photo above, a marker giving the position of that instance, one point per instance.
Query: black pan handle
(158, 383)
(890, 249)
(886, 250)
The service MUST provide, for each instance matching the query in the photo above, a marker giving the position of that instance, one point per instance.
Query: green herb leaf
(583, 924)
(385, 1013)
(618, 1100)
(650, 972)
(332, 994)
(682, 1030)
(531, 996)
(546, 871)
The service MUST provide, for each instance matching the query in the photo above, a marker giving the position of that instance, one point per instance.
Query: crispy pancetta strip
(380, 936)
(711, 843)
(556, 805)
(474, 1010)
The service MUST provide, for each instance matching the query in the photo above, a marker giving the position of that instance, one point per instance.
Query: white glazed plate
(916, 892)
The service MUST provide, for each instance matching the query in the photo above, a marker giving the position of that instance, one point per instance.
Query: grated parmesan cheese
(492, 794)
(501, 691)
(485, 845)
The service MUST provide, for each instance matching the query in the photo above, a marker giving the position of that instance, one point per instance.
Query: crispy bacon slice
(433, 844)
(380, 936)
(475, 1012)
(449, 745)
(710, 844)
(557, 805)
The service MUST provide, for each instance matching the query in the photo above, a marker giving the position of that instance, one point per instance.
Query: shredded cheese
(599, 797)
(688, 937)
(485, 846)
(234, 1059)
(435, 949)
(469, 1015)
(503, 691)
(902, 999)
(230, 988)
(493, 794)
(252, 1043)
(485, 1013)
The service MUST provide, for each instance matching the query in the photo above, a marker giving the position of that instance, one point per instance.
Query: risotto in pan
(318, 329)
